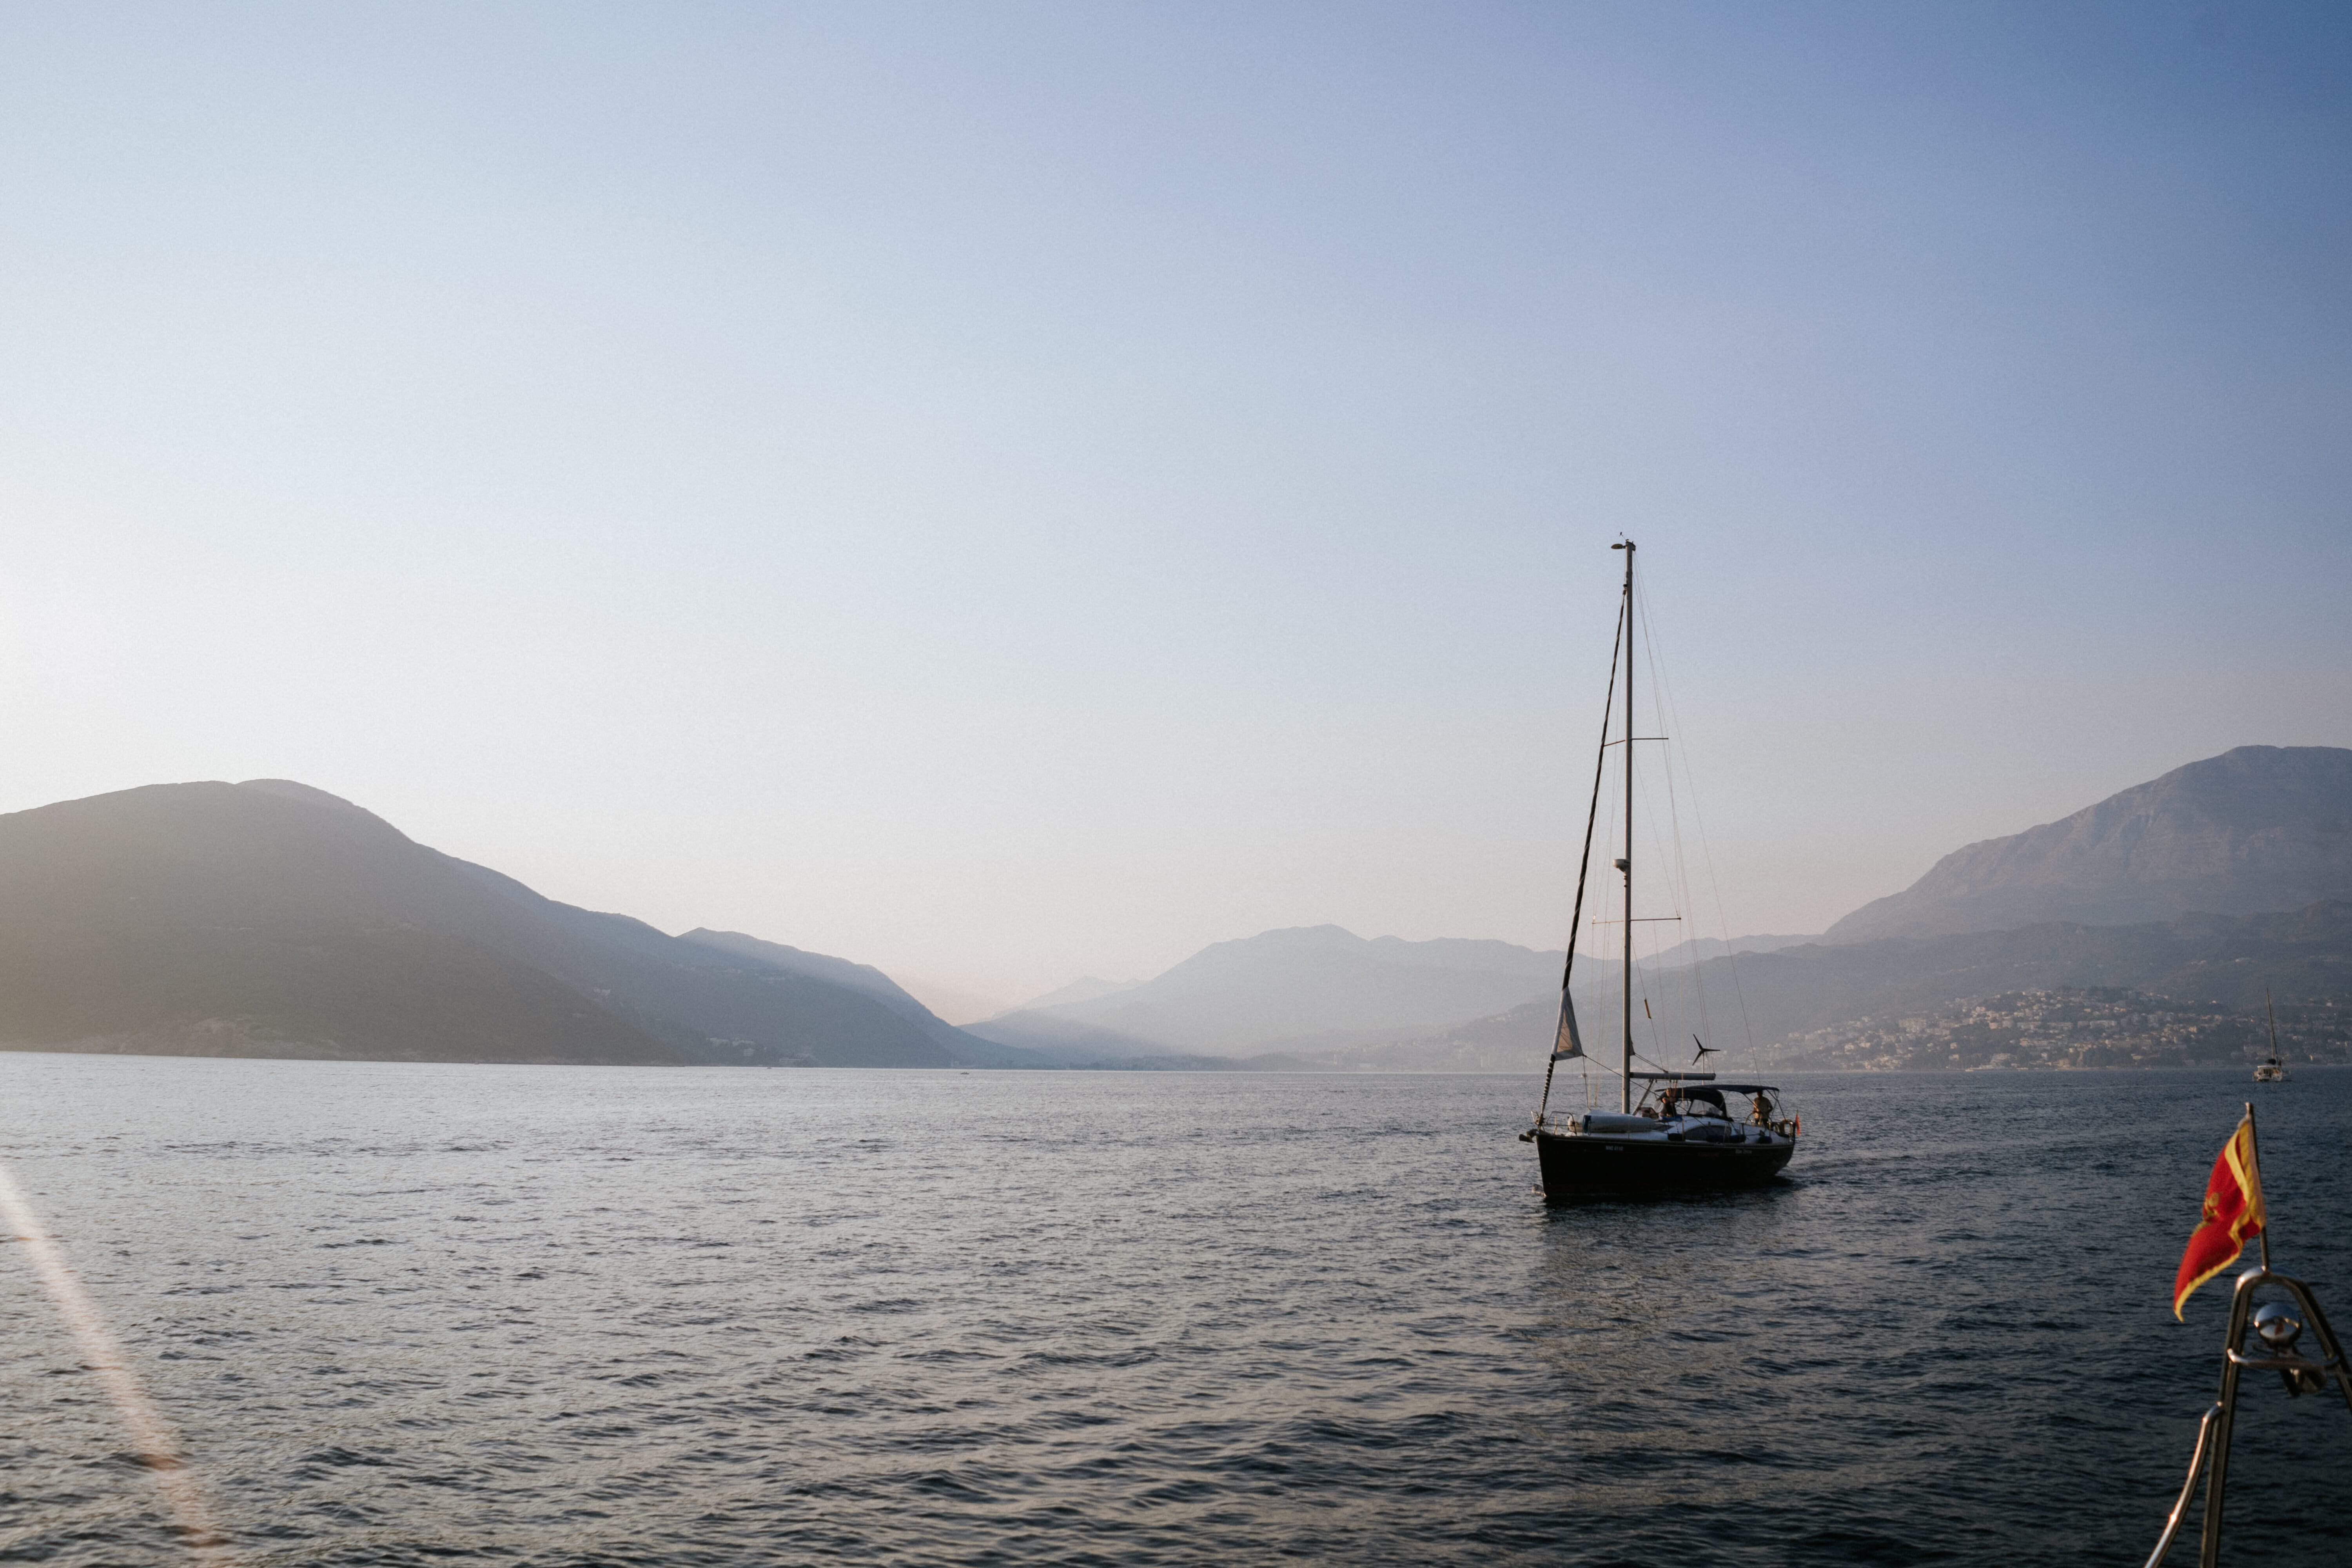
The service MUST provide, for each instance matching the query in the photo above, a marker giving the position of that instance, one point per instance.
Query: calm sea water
(429, 1314)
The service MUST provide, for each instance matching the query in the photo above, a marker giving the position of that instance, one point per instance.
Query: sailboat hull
(1593, 1163)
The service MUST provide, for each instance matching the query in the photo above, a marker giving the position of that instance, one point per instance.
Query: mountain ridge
(2257, 829)
(1248, 995)
(2300, 956)
(272, 918)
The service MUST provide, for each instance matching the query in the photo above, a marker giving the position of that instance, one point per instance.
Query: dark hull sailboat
(1691, 1141)
(1679, 1133)
(1589, 1163)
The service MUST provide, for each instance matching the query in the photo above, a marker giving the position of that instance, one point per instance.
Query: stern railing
(2210, 1459)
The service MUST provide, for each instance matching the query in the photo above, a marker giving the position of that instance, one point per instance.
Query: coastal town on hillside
(2071, 1027)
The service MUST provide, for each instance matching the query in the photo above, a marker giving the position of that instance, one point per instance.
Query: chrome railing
(2277, 1327)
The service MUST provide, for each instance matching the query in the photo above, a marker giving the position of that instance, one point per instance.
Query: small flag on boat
(2233, 1211)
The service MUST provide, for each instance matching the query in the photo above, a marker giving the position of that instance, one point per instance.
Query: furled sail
(1567, 1042)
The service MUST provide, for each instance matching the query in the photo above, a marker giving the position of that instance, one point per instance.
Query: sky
(1005, 492)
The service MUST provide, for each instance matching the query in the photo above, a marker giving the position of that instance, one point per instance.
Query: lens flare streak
(152, 1441)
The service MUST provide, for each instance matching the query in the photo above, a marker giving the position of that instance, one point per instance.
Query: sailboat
(2270, 1070)
(1680, 1130)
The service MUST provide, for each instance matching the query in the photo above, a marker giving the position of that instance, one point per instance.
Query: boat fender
(1796, 1125)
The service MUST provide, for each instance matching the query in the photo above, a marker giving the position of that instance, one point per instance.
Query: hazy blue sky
(1009, 492)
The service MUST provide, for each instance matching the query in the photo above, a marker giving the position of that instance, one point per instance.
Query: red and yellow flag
(2233, 1211)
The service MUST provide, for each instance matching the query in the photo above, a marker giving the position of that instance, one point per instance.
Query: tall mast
(1625, 1075)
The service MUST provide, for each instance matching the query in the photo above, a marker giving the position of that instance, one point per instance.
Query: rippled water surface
(411, 1315)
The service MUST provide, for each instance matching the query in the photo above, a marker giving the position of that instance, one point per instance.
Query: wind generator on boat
(1681, 1130)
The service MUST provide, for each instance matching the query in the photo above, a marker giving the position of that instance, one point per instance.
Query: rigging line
(1651, 969)
(1619, 999)
(1663, 690)
(1604, 997)
(1687, 993)
(1688, 996)
(1679, 861)
(1691, 984)
(1648, 1017)
(1583, 866)
(1660, 1066)
(1693, 980)
(1706, 852)
(1668, 848)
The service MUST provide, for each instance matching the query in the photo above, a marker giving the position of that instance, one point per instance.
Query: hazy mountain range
(270, 918)
(2255, 830)
(2301, 955)
(2210, 882)
(1283, 988)
(2217, 881)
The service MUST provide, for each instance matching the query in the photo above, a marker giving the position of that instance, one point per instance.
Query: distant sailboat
(1681, 1130)
(2270, 1070)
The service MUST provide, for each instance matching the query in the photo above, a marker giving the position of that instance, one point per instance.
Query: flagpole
(2254, 1137)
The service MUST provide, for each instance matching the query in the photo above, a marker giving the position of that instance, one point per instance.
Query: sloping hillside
(2300, 957)
(961, 1044)
(2255, 830)
(270, 918)
(1265, 992)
